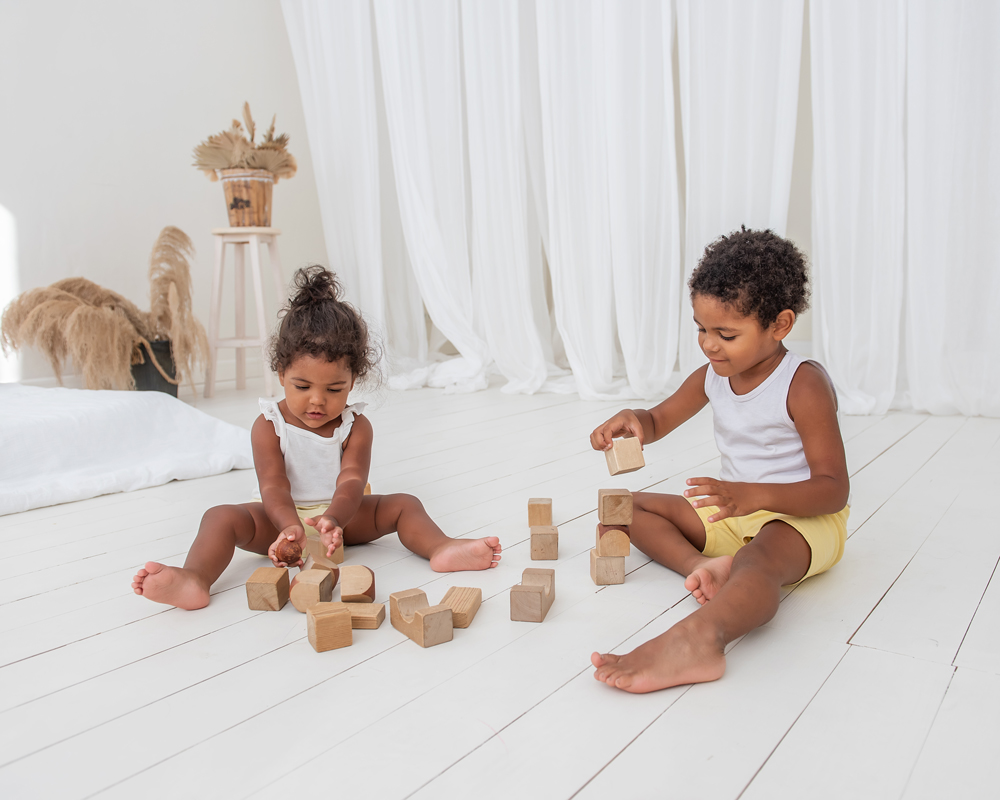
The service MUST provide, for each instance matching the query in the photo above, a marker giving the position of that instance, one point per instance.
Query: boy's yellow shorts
(825, 534)
(317, 511)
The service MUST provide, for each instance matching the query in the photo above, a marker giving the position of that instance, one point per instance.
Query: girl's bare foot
(684, 654)
(171, 585)
(467, 554)
(705, 582)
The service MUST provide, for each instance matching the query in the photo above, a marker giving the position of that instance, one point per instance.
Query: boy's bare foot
(467, 554)
(711, 576)
(679, 656)
(171, 585)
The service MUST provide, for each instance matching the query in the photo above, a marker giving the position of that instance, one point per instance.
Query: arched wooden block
(624, 456)
(614, 506)
(613, 541)
(322, 563)
(357, 584)
(311, 586)
(427, 625)
(464, 603)
(532, 599)
(329, 626)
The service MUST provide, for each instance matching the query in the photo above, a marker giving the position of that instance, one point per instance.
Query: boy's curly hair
(756, 272)
(316, 322)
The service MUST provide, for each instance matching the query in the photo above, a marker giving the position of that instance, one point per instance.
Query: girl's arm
(355, 461)
(275, 491)
(812, 405)
(657, 422)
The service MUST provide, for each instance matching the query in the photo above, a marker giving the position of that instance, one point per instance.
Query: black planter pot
(148, 379)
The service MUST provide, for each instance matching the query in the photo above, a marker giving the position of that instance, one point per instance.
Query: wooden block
(358, 584)
(464, 603)
(539, 511)
(329, 626)
(613, 541)
(544, 543)
(311, 586)
(366, 616)
(532, 599)
(322, 563)
(614, 506)
(267, 589)
(315, 549)
(606, 570)
(625, 455)
(424, 624)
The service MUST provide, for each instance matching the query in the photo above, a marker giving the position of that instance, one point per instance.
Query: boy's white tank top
(755, 435)
(312, 462)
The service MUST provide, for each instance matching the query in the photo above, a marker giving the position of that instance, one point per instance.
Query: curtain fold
(953, 170)
(858, 64)
(739, 79)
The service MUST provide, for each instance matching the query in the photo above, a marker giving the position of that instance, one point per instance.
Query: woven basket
(248, 196)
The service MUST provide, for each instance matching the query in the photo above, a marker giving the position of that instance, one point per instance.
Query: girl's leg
(693, 650)
(222, 530)
(405, 515)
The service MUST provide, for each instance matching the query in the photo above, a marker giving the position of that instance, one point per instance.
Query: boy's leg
(404, 514)
(692, 651)
(667, 529)
(222, 530)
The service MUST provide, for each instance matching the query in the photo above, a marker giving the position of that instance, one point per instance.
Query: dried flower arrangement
(231, 149)
(106, 333)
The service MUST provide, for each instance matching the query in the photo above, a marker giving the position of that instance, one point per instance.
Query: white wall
(101, 103)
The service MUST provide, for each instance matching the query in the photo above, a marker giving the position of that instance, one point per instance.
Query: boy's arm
(812, 405)
(355, 462)
(655, 423)
(275, 490)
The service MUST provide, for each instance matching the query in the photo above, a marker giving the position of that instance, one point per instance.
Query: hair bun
(315, 284)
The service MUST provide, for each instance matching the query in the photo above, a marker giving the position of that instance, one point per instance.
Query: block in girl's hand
(624, 456)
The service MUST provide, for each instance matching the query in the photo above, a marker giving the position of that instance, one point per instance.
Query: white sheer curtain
(953, 205)
(421, 77)
(739, 78)
(332, 48)
(858, 64)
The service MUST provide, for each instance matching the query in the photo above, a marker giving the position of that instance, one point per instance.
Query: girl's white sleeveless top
(755, 435)
(312, 462)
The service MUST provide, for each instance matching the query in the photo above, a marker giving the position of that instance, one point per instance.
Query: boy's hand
(294, 533)
(330, 532)
(622, 423)
(733, 499)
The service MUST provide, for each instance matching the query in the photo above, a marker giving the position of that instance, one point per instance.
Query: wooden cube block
(311, 586)
(464, 603)
(427, 625)
(625, 455)
(322, 563)
(329, 626)
(614, 506)
(606, 570)
(366, 616)
(539, 511)
(544, 543)
(532, 599)
(267, 589)
(357, 584)
(613, 541)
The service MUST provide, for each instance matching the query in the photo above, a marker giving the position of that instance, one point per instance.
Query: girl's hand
(330, 532)
(733, 499)
(622, 423)
(294, 533)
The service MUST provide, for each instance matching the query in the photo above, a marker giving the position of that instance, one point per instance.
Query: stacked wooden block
(544, 535)
(614, 514)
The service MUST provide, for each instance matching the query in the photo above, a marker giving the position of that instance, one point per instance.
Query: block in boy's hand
(288, 552)
(624, 456)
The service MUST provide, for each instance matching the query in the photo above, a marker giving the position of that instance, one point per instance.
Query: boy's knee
(219, 516)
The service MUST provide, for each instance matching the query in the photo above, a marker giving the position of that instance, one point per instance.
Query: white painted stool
(240, 239)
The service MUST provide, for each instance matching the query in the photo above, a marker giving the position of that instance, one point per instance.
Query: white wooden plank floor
(880, 679)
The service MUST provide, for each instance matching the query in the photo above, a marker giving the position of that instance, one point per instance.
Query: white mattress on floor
(61, 445)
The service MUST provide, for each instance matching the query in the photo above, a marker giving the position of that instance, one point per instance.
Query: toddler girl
(312, 453)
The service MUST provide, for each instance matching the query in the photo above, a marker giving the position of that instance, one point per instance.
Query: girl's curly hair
(756, 272)
(317, 322)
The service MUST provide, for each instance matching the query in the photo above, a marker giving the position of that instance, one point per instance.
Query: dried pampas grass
(105, 333)
(231, 149)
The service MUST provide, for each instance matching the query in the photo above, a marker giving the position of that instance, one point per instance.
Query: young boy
(778, 512)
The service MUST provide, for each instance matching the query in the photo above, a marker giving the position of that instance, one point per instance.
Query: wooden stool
(240, 239)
